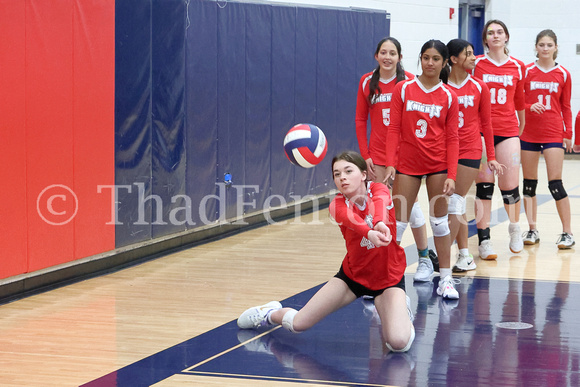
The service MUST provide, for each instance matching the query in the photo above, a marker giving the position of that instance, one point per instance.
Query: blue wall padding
(133, 142)
(168, 116)
(206, 88)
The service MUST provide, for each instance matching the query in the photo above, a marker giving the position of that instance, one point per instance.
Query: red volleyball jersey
(474, 118)
(373, 267)
(553, 89)
(379, 111)
(577, 130)
(424, 127)
(506, 88)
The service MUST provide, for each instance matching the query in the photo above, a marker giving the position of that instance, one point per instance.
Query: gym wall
(120, 119)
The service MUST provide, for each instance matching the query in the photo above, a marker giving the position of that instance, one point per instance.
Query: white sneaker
(531, 237)
(447, 289)
(486, 250)
(464, 263)
(565, 241)
(258, 315)
(424, 270)
(516, 241)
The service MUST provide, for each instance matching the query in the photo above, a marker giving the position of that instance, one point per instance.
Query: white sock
(444, 272)
(464, 252)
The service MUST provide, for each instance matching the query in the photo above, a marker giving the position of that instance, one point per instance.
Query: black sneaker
(435, 259)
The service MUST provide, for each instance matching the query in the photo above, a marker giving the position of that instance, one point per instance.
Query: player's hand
(382, 228)
(495, 167)
(568, 145)
(390, 177)
(371, 169)
(449, 187)
(378, 238)
(538, 108)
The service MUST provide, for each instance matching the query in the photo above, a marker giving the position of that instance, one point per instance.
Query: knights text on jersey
(553, 89)
(424, 127)
(379, 110)
(506, 89)
(474, 118)
(373, 267)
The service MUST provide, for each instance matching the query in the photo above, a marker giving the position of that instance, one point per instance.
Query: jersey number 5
(422, 131)
(386, 116)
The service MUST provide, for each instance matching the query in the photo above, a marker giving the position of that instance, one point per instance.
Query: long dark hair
(351, 157)
(374, 88)
(455, 47)
(550, 34)
(484, 33)
(442, 50)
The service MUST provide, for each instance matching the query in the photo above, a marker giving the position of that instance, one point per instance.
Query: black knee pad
(512, 196)
(530, 187)
(484, 191)
(557, 189)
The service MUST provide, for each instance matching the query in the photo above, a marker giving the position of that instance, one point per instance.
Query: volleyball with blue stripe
(305, 145)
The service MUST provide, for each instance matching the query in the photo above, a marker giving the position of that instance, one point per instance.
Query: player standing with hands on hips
(504, 76)
(422, 141)
(548, 130)
(474, 120)
(373, 266)
(374, 101)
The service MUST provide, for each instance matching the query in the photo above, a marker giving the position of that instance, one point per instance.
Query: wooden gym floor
(171, 321)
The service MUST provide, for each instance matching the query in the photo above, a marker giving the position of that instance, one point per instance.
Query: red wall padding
(58, 60)
(13, 231)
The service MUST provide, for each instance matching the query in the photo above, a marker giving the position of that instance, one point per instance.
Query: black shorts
(498, 139)
(470, 163)
(360, 290)
(425, 175)
(539, 146)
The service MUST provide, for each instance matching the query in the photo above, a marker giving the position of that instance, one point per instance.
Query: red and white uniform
(373, 267)
(424, 124)
(506, 87)
(379, 110)
(577, 130)
(553, 89)
(474, 118)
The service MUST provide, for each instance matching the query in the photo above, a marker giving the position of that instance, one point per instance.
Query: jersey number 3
(422, 131)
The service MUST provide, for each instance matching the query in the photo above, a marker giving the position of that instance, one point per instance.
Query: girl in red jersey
(374, 100)
(504, 76)
(373, 266)
(474, 120)
(548, 130)
(422, 141)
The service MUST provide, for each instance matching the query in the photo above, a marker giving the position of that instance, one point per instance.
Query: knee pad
(530, 187)
(288, 320)
(484, 191)
(401, 227)
(511, 197)
(417, 219)
(457, 205)
(557, 189)
(407, 347)
(440, 226)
